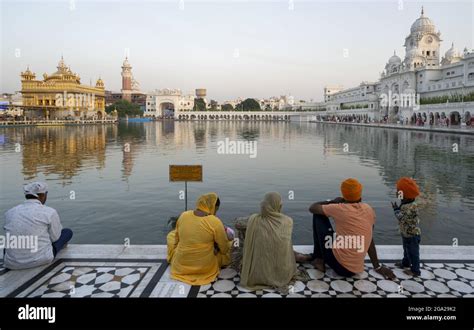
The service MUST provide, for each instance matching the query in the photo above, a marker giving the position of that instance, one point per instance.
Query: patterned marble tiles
(169, 288)
(105, 278)
(142, 271)
(436, 280)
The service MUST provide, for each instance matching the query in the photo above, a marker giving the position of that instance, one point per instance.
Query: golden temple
(61, 95)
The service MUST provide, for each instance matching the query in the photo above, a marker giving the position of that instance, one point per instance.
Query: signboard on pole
(186, 173)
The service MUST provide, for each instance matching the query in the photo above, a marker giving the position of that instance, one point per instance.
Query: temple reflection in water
(310, 159)
(59, 150)
(63, 150)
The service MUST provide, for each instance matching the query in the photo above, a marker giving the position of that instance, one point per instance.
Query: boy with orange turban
(407, 215)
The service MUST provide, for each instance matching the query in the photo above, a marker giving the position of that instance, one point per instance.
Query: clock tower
(127, 80)
(422, 44)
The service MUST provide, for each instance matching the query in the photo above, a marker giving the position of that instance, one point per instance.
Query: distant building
(112, 97)
(11, 105)
(330, 90)
(164, 102)
(360, 97)
(61, 95)
(233, 103)
(201, 93)
(283, 102)
(130, 89)
(422, 75)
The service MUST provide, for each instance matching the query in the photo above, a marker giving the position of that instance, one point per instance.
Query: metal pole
(185, 195)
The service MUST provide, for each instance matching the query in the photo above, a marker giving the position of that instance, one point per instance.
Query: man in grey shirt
(35, 222)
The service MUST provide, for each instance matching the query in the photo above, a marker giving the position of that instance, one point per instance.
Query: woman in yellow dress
(199, 245)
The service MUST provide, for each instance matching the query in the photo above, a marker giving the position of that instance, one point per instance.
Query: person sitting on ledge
(37, 224)
(200, 245)
(344, 250)
(268, 257)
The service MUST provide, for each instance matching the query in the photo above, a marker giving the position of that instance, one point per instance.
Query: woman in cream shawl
(268, 257)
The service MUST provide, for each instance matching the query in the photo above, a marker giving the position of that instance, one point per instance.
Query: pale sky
(232, 48)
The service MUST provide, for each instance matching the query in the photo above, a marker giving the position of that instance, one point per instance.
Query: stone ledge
(98, 270)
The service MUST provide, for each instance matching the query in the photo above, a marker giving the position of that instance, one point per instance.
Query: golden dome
(64, 72)
(99, 83)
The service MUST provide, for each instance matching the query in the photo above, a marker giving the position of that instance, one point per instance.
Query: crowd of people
(260, 247)
(414, 121)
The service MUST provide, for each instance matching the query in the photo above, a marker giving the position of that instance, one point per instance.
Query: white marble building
(282, 102)
(422, 75)
(165, 102)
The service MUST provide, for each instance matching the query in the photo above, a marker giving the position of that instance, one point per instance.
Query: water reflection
(430, 158)
(59, 150)
(310, 159)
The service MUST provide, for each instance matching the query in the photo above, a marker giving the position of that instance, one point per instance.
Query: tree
(124, 108)
(213, 105)
(227, 107)
(199, 104)
(248, 105)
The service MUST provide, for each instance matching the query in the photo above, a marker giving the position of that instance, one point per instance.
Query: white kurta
(35, 220)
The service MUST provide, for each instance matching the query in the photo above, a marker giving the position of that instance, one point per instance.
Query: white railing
(246, 113)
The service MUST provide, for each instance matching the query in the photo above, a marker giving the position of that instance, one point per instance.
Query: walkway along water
(142, 271)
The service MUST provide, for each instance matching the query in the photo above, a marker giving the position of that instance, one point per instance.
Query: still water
(110, 183)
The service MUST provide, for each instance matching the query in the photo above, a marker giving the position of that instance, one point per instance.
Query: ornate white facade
(163, 102)
(420, 75)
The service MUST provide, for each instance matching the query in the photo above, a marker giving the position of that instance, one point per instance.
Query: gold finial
(422, 11)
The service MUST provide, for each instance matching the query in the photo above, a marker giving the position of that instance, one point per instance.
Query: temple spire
(61, 65)
(422, 11)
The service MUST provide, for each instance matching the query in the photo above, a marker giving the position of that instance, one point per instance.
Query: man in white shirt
(33, 219)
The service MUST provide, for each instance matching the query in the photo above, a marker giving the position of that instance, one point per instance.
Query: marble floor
(436, 280)
(108, 278)
(108, 271)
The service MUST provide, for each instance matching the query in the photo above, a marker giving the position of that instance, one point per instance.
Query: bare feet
(302, 258)
(319, 264)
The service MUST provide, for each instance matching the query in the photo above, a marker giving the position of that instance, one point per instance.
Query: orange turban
(351, 190)
(409, 188)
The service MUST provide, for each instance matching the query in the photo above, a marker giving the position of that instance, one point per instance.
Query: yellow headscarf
(207, 203)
